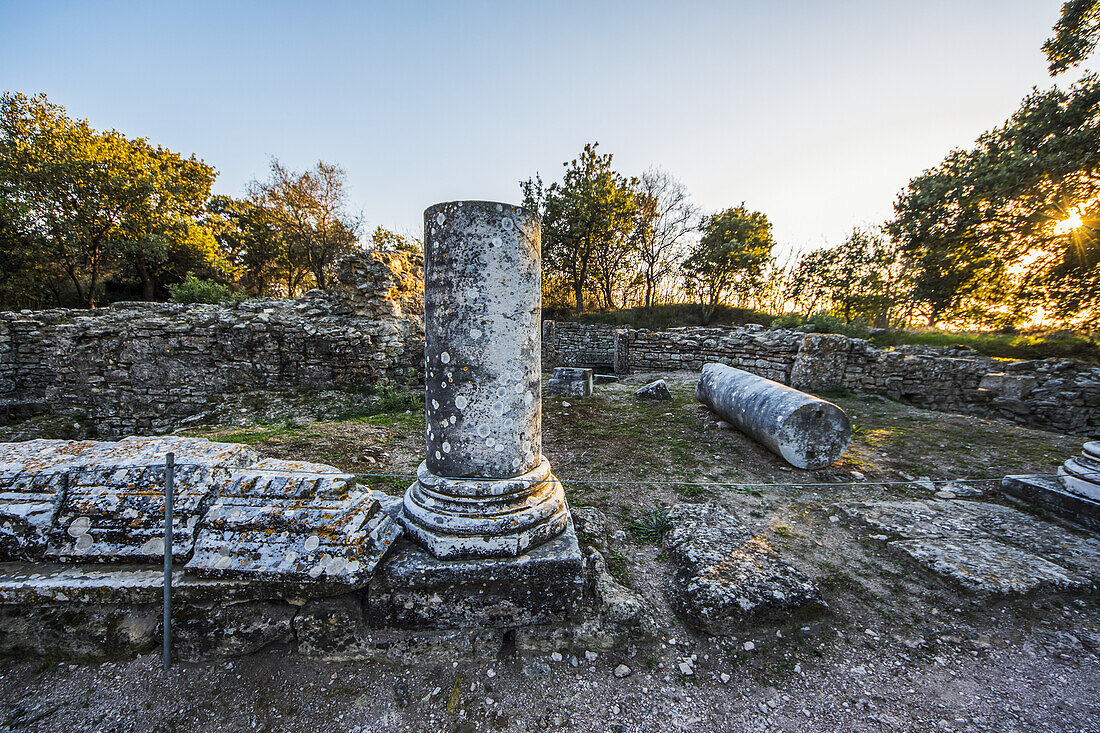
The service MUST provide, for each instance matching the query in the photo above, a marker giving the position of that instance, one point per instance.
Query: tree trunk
(146, 280)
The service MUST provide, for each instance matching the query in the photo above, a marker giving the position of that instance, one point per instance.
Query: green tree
(384, 240)
(586, 223)
(730, 258)
(84, 202)
(1075, 35)
(970, 226)
(309, 209)
(862, 279)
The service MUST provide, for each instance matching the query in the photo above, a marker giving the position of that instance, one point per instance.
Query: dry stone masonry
(1056, 394)
(142, 367)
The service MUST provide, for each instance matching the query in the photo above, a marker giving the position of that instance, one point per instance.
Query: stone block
(293, 522)
(415, 590)
(725, 577)
(654, 391)
(570, 382)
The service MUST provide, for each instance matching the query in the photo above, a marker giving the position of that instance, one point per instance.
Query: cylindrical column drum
(806, 431)
(484, 489)
(482, 308)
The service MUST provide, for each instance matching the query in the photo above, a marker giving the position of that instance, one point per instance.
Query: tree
(81, 202)
(385, 240)
(861, 279)
(663, 221)
(730, 257)
(972, 224)
(309, 210)
(1075, 35)
(586, 221)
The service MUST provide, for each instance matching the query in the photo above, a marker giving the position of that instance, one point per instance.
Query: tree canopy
(731, 255)
(79, 203)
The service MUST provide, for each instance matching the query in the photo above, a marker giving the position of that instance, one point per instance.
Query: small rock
(591, 656)
(622, 671)
(724, 677)
(556, 656)
(654, 391)
(748, 646)
(685, 668)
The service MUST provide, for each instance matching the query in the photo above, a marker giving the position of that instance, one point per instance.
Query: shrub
(197, 290)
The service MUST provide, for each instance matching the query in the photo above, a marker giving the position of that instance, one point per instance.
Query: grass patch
(616, 565)
(651, 526)
(1030, 345)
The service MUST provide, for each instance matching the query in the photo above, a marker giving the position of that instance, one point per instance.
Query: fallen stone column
(484, 489)
(804, 430)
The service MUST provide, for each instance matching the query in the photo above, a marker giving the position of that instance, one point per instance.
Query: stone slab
(27, 584)
(1052, 496)
(415, 590)
(725, 577)
(985, 565)
(570, 382)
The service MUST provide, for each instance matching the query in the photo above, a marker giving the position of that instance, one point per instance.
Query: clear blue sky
(816, 113)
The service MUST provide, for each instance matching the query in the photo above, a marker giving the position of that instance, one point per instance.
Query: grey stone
(805, 431)
(1052, 495)
(336, 629)
(987, 566)
(654, 391)
(413, 589)
(293, 522)
(570, 382)
(484, 490)
(88, 631)
(230, 629)
(725, 577)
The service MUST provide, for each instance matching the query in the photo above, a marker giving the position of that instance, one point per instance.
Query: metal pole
(169, 477)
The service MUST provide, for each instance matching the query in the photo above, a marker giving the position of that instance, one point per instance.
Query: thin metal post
(169, 479)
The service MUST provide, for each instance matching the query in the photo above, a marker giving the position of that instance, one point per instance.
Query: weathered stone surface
(985, 547)
(26, 584)
(482, 306)
(1081, 474)
(805, 431)
(415, 590)
(293, 522)
(570, 382)
(267, 520)
(230, 629)
(78, 631)
(654, 391)
(591, 526)
(113, 509)
(821, 362)
(614, 619)
(145, 367)
(336, 629)
(982, 564)
(484, 489)
(725, 577)
(1052, 495)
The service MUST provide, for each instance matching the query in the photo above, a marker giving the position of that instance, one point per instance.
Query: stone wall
(1056, 394)
(141, 367)
(565, 343)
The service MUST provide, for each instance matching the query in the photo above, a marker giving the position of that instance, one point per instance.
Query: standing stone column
(484, 489)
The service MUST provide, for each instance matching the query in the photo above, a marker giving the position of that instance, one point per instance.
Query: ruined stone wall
(141, 367)
(1055, 394)
(565, 343)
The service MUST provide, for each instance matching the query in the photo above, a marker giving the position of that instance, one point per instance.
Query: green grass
(650, 527)
(1032, 345)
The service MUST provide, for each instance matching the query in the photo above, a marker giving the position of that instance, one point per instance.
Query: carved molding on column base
(467, 518)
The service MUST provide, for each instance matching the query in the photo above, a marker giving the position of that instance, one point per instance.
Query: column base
(468, 518)
(414, 590)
